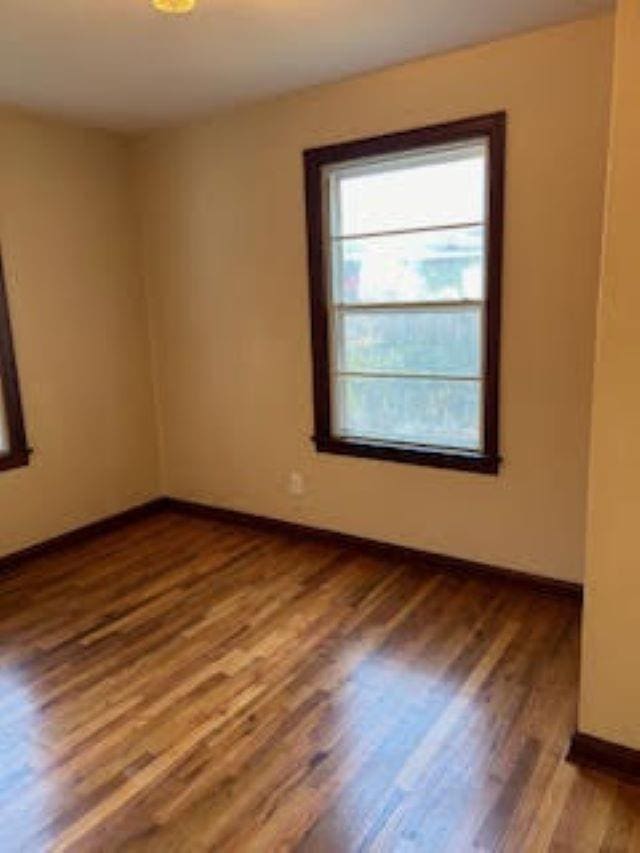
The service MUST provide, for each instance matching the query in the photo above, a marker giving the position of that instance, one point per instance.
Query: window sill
(478, 463)
(15, 459)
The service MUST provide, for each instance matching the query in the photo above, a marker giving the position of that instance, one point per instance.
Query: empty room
(319, 418)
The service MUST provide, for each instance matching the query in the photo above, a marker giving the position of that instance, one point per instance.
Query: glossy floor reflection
(184, 685)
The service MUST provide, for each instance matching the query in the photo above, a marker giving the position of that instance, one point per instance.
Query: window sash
(339, 413)
(332, 239)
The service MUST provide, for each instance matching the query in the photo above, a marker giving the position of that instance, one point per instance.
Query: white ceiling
(120, 64)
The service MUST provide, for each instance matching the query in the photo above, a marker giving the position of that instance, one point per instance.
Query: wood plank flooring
(187, 685)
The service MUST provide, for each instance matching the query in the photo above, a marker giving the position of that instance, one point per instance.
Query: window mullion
(395, 232)
(423, 305)
(435, 377)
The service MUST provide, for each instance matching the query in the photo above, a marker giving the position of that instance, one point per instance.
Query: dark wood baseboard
(605, 756)
(81, 534)
(437, 561)
(163, 504)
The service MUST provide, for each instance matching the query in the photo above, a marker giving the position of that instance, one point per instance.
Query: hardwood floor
(185, 685)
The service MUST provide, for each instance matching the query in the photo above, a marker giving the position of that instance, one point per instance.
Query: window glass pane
(418, 411)
(4, 432)
(446, 265)
(440, 341)
(442, 187)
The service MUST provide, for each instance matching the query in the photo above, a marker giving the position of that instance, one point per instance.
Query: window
(13, 444)
(405, 255)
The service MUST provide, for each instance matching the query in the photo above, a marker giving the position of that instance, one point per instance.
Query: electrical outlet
(296, 483)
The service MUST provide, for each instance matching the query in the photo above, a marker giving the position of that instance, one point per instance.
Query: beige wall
(610, 699)
(66, 228)
(222, 207)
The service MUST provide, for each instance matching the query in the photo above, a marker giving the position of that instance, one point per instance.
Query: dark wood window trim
(493, 128)
(18, 453)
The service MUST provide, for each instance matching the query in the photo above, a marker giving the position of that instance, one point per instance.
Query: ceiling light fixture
(174, 6)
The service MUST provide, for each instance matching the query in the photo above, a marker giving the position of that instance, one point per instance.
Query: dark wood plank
(184, 683)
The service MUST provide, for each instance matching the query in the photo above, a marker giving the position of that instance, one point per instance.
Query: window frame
(17, 455)
(490, 127)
